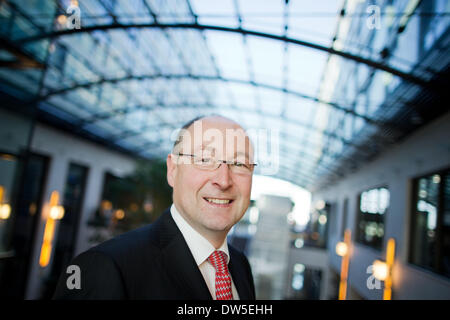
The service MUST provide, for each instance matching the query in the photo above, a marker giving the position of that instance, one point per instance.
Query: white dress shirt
(201, 249)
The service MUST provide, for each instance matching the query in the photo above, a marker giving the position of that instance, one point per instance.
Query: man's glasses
(211, 164)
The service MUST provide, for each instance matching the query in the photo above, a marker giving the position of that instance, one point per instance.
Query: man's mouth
(218, 201)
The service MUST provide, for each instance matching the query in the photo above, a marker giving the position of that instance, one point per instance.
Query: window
(373, 204)
(22, 180)
(430, 222)
(64, 246)
(316, 231)
(9, 164)
(101, 218)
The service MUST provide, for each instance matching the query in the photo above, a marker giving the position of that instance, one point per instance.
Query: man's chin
(219, 226)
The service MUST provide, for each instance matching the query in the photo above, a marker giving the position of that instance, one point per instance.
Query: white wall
(423, 152)
(63, 148)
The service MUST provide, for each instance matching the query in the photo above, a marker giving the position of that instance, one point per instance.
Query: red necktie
(218, 259)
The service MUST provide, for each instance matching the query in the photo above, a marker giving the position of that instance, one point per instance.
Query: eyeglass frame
(218, 163)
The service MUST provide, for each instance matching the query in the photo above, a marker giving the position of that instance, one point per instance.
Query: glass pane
(373, 205)
(445, 260)
(425, 242)
(68, 225)
(8, 167)
(17, 230)
(230, 54)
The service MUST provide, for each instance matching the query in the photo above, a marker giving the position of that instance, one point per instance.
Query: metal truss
(195, 26)
(211, 78)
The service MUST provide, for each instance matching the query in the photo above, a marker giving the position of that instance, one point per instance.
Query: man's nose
(222, 176)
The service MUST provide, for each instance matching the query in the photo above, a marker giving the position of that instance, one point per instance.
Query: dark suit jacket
(152, 262)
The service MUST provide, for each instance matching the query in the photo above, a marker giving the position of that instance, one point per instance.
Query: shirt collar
(200, 247)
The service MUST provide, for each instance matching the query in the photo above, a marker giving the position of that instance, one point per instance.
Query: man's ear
(171, 169)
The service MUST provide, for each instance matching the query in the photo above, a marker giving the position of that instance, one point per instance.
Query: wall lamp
(382, 270)
(55, 212)
(5, 208)
(343, 250)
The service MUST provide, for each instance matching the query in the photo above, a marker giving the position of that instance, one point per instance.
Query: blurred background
(348, 102)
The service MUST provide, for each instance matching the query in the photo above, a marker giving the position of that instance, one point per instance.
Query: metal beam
(346, 55)
(210, 78)
(23, 60)
(130, 133)
(152, 107)
(283, 146)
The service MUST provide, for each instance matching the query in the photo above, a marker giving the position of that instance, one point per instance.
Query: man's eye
(240, 165)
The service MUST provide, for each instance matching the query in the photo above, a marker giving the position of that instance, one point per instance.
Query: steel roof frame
(210, 78)
(156, 25)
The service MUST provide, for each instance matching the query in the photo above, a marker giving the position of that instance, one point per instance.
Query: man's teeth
(218, 201)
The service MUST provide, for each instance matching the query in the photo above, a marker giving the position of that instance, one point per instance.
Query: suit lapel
(182, 269)
(179, 262)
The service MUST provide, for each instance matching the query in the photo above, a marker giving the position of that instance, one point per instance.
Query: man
(184, 254)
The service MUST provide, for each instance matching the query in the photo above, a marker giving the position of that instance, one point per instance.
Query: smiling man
(184, 254)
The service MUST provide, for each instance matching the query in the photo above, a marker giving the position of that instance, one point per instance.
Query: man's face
(198, 194)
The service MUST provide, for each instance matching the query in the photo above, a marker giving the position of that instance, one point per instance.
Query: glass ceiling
(328, 78)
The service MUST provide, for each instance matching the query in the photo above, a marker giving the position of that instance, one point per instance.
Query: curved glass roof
(333, 80)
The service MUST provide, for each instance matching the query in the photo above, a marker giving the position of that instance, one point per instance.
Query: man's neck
(216, 238)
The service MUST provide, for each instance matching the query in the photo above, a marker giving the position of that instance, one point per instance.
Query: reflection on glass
(373, 205)
(305, 284)
(315, 233)
(374, 201)
(430, 238)
(8, 166)
(297, 280)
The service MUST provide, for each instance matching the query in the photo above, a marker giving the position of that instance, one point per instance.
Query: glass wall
(19, 201)
(315, 234)
(430, 234)
(373, 205)
(344, 217)
(16, 256)
(74, 191)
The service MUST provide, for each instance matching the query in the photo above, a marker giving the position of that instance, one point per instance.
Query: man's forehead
(217, 134)
(214, 149)
(217, 145)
